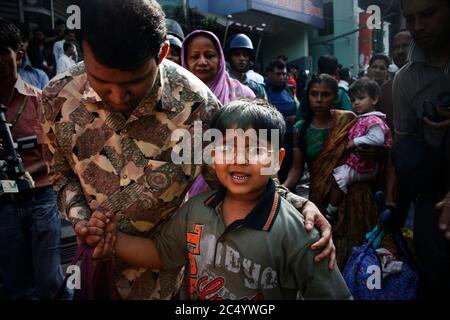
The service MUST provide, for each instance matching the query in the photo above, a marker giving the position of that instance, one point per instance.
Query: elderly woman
(203, 56)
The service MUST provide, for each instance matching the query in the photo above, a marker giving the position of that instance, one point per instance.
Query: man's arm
(70, 197)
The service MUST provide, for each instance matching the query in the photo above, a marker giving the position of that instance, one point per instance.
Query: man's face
(378, 70)
(59, 30)
(240, 60)
(71, 51)
(122, 90)
(401, 44)
(278, 76)
(39, 36)
(428, 21)
(70, 37)
(9, 61)
(174, 55)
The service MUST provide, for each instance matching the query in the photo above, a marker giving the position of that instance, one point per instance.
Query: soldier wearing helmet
(240, 53)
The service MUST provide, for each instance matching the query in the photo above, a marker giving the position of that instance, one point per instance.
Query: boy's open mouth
(239, 177)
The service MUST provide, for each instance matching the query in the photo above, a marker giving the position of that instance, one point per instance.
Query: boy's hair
(344, 73)
(123, 34)
(275, 64)
(380, 56)
(250, 113)
(10, 36)
(365, 86)
(327, 64)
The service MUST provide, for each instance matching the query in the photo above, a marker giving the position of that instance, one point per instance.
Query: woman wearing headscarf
(202, 54)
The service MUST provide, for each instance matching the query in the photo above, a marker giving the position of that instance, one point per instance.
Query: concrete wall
(345, 48)
(291, 42)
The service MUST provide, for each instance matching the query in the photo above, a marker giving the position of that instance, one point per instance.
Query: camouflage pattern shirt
(100, 160)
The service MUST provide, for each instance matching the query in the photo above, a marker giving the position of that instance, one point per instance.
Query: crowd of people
(103, 157)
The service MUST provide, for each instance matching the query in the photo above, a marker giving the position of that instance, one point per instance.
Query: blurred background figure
(240, 54)
(175, 36)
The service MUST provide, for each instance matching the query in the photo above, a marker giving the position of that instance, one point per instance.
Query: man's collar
(25, 89)
(416, 54)
(262, 217)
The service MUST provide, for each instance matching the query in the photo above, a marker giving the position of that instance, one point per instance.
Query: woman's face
(202, 58)
(321, 98)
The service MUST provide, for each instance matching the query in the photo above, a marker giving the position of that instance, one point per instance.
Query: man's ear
(20, 56)
(164, 51)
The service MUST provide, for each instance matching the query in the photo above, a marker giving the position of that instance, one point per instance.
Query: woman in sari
(202, 54)
(320, 140)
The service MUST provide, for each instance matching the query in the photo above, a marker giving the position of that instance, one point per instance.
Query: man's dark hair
(282, 57)
(9, 36)
(24, 31)
(36, 30)
(275, 64)
(344, 74)
(67, 46)
(247, 113)
(365, 86)
(68, 31)
(327, 64)
(380, 56)
(59, 22)
(123, 34)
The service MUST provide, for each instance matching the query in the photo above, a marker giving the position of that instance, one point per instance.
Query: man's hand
(444, 221)
(91, 232)
(313, 217)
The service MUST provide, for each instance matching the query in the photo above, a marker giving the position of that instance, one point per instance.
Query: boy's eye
(257, 152)
(224, 149)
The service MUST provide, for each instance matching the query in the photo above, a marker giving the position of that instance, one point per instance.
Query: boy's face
(244, 168)
(363, 103)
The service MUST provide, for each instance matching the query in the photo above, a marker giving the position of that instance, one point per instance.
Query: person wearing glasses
(242, 241)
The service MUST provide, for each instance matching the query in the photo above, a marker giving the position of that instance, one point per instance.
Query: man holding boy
(243, 241)
(108, 124)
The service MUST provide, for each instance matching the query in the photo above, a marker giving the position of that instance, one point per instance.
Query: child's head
(249, 152)
(322, 95)
(364, 94)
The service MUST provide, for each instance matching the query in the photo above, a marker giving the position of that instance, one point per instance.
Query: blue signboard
(306, 11)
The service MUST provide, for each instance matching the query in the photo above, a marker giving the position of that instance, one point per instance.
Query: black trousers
(432, 248)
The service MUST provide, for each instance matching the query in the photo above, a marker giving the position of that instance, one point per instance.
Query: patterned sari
(357, 211)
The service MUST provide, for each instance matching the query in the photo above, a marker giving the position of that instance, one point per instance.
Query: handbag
(364, 266)
(97, 282)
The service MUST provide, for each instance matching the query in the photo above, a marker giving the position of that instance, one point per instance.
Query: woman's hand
(351, 144)
(371, 152)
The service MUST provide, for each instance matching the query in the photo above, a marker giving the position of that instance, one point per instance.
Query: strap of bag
(19, 112)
